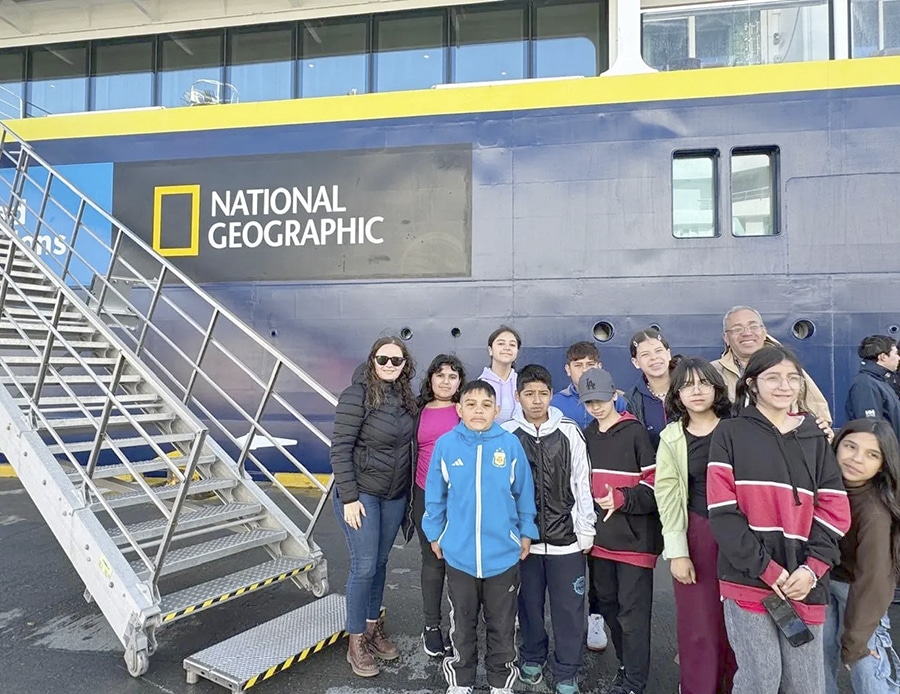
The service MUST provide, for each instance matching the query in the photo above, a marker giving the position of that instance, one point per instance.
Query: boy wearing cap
(628, 538)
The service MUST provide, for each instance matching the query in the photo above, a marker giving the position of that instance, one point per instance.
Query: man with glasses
(871, 395)
(745, 334)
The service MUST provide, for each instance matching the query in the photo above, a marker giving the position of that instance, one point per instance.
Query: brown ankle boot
(378, 642)
(359, 657)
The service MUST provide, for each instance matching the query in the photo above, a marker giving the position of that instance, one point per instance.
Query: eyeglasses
(702, 385)
(754, 328)
(382, 360)
(774, 380)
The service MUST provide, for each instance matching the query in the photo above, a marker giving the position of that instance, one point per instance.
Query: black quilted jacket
(371, 450)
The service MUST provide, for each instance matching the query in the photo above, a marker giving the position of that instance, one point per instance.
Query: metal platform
(256, 655)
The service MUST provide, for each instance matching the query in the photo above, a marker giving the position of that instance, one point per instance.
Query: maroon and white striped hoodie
(776, 501)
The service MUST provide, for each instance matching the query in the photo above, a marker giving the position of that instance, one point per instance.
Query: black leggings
(433, 569)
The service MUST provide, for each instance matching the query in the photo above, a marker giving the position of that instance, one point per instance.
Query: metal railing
(223, 370)
(46, 366)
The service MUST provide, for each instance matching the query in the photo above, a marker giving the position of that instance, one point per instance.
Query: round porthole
(894, 329)
(603, 331)
(455, 332)
(803, 329)
(406, 334)
(656, 327)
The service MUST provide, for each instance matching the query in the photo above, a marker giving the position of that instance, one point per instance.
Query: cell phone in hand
(788, 621)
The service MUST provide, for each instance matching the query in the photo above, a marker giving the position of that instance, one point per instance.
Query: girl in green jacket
(697, 400)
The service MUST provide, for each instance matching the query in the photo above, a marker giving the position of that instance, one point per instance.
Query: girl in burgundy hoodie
(777, 508)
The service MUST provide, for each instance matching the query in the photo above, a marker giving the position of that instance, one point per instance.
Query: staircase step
(83, 446)
(47, 300)
(29, 287)
(212, 550)
(219, 590)
(74, 379)
(255, 655)
(74, 423)
(166, 491)
(39, 327)
(189, 520)
(155, 465)
(64, 402)
(25, 360)
(58, 345)
(27, 312)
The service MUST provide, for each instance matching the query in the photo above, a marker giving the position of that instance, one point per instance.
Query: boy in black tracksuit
(628, 540)
(565, 518)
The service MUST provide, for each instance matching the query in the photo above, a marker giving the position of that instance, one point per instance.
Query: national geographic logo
(403, 212)
(244, 219)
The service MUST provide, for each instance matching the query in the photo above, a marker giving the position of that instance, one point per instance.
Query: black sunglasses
(381, 360)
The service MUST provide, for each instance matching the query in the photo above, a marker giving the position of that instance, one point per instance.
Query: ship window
(569, 39)
(261, 63)
(753, 192)
(123, 75)
(410, 52)
(876, 27)
(708, 35)
(334, 59)
(694, 194)
(192, 70)
(58, 80)
(489, 45)
(12, 84)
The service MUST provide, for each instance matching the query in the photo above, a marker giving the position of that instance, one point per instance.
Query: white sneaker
(454, 689)
(596, 635)
(501, 690)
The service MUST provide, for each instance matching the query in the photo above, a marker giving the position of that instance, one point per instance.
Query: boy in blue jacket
(479, 518)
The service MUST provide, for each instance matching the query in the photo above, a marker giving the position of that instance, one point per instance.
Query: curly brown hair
(375, 386)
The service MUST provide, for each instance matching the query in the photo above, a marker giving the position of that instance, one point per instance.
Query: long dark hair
(426, 392)
(375, 387)
(682, 375)
(763, 360)
(887, 481)
(498, 332)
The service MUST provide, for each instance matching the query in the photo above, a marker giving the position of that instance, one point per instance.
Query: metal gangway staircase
(132, 406)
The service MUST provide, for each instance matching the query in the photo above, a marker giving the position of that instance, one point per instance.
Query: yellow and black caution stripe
(294, 659)
(171, 616)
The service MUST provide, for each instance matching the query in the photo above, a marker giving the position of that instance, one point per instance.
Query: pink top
(434, 422)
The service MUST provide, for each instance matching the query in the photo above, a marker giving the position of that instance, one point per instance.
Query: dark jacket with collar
(776, 501)
(649, 410)
(872, 396)
(371, 449)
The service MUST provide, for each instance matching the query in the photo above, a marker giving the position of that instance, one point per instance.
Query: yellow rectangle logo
(159, 192)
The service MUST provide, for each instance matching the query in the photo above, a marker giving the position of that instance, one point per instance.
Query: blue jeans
(369, 549)
(870, 675)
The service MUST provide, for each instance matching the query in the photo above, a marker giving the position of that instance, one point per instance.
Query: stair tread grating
(256, 651)
(153, 465)
(188, 520)
(74, 378)
(116, 420)
(168, 491)
(212, 550)
(223, 588)
(83, 446)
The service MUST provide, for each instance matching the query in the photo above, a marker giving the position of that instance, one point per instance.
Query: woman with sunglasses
(371, 456)
(696, 402)
(503, 348)
(437, 415)
(778, 509)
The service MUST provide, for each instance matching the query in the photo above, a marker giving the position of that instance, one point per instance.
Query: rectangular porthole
(694, 194)
(754, 191)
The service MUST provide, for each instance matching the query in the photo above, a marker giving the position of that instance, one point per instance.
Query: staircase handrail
(65, 296)
(106, 287)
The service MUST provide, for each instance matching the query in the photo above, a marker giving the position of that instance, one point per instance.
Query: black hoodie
(776, 501)
(371, 450)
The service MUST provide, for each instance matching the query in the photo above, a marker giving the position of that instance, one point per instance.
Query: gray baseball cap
(596, 384)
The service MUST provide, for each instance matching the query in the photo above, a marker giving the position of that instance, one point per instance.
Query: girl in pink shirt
(437, 416)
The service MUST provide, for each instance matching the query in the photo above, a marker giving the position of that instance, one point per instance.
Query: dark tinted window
(123, 75)
(488, 45)
(410, 52)
(192, 70)
(261, 64)
(569, 39)
(334, 59)
(12, 84)
(58, 80)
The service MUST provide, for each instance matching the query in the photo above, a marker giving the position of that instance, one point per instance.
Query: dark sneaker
(531, 673)
(619, 679)
(433, 642)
